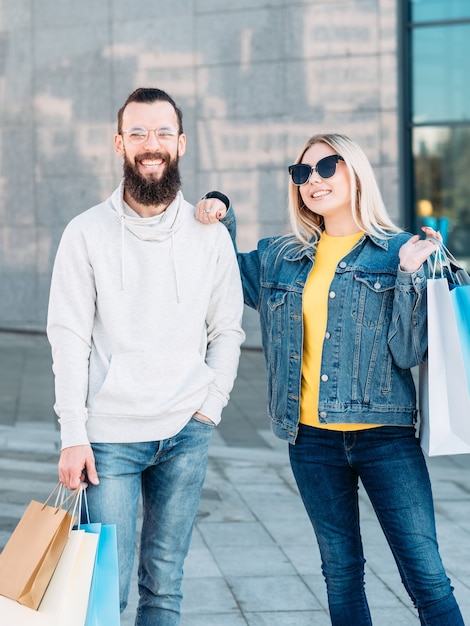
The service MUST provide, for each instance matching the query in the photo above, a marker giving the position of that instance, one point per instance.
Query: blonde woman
(342, 304)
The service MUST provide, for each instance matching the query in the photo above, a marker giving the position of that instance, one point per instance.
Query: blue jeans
(327, 466)
(170, 475)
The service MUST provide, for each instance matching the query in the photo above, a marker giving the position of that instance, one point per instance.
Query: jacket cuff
(416, 279)
(219, 195)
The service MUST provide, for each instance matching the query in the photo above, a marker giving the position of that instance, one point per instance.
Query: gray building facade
(254, 78)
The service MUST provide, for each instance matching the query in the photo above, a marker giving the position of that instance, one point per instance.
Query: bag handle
(71, 501)
(444, 264)
(83, 503)
(61, 497)
(80, 503)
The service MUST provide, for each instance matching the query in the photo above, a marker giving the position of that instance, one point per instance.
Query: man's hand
(203, 418)
(210, 210)
(73, 463)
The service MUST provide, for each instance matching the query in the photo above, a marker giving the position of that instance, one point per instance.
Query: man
(144, 322)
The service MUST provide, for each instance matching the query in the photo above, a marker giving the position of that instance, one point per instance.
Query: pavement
(253, 558)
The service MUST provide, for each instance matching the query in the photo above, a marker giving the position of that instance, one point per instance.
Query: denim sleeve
(248, 262)
(407, 338)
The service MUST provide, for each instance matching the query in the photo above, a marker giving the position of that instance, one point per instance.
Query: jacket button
(343, 264)
(377, 285)
(324, 377)
(327, 335)
(332, 294)
(323, 414)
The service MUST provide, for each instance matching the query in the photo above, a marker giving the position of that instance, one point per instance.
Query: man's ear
(119, 145)
(181, 144)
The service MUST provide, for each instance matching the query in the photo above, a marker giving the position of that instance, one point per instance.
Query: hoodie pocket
(147, 385)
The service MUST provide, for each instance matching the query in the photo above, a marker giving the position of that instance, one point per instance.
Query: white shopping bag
(444, 398)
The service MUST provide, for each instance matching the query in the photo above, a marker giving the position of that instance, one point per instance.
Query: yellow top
(330, 251)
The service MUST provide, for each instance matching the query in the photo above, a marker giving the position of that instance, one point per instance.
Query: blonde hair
(368, 209)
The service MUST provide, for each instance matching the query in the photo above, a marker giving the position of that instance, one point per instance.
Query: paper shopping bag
(32, 552)
(460, 299)
(66, 599)
(103, 603)
(444, 397)
(65, 602)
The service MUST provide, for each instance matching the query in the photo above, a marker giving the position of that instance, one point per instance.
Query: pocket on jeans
(201, 421)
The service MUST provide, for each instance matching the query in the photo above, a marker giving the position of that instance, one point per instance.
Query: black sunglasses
(326, 167)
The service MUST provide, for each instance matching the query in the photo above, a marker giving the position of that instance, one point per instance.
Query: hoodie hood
(157, 228)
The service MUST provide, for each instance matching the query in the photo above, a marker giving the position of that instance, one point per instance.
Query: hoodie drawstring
(123, 247)
(153, 229)
(123, 258)
(175, 267)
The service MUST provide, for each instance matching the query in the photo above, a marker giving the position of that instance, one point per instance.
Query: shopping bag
(65, 602)
(460, 298)
(32, 552)
(444, 398)
(103, 603)
(66, 599)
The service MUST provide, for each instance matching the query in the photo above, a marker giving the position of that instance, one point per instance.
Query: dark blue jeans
(327, 466)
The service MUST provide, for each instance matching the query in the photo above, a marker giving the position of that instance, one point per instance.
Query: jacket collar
(294, 253)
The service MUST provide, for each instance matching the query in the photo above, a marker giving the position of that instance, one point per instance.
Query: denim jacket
(376, 331)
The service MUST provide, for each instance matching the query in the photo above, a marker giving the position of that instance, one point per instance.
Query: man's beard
(151, 191)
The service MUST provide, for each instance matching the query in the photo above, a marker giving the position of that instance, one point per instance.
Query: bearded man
(144, 323)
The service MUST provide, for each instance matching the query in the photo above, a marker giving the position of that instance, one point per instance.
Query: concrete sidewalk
(253, 559)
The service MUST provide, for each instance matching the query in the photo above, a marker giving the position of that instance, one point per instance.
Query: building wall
(255, 79)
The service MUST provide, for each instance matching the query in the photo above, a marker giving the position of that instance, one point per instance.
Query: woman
(342, 303)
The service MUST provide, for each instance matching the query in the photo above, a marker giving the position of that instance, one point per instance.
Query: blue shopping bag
(103, 602)
(460, 298)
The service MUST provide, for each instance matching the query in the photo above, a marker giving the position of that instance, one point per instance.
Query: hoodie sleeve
(69, 327)
(224, 330)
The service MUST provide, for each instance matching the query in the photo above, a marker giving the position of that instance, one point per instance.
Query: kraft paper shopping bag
(65, 602)
(32, 552)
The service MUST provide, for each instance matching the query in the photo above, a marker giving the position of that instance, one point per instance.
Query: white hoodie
(144, 322)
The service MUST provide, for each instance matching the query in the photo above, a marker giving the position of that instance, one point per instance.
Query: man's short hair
(148, 95)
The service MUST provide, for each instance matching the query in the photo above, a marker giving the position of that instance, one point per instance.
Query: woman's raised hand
(415, 251)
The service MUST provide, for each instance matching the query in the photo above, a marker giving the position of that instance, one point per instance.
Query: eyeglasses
(139, 134)
(326, 167)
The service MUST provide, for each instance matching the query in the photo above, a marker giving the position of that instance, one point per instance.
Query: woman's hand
(210, 210)
(415, 251)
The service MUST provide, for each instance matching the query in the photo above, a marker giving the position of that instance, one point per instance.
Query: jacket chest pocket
(372, 299)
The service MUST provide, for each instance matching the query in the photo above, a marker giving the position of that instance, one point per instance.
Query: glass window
(433, 10)
(441, 85)
(442, 184)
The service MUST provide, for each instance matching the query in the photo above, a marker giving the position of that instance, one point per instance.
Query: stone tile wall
(255, 79)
